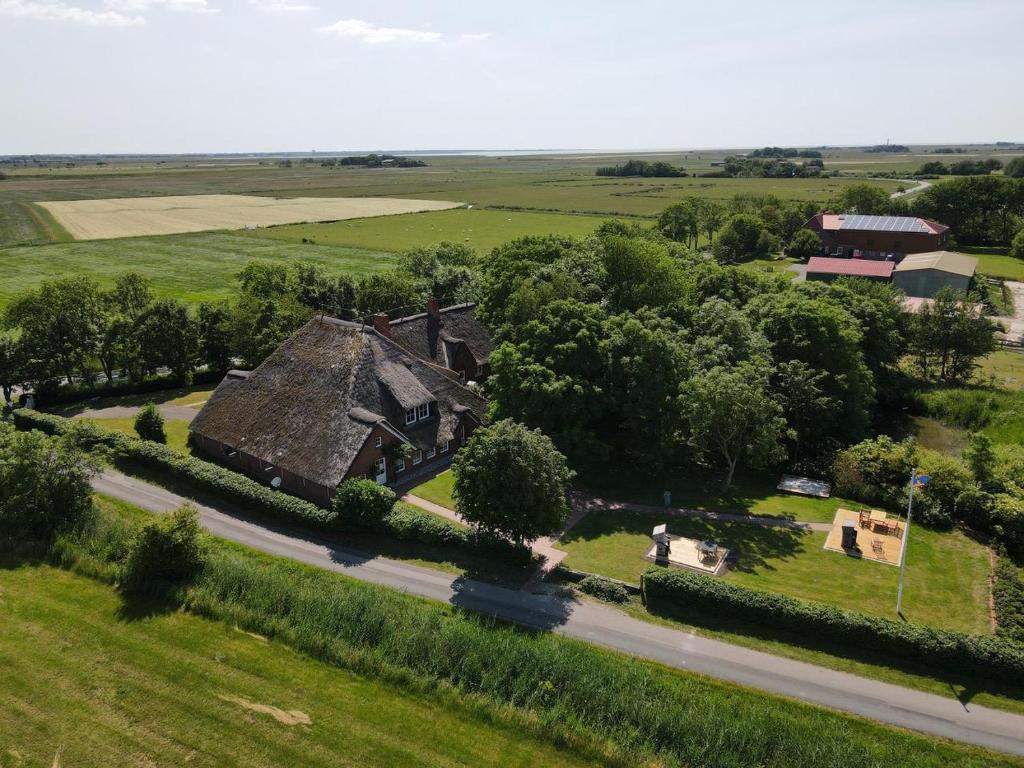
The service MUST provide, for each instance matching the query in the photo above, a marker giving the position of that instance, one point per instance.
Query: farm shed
(924, 274)
(826, 269)
(336, 400)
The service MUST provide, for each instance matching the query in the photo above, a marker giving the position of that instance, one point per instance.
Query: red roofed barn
(877, 237)
(827, 269)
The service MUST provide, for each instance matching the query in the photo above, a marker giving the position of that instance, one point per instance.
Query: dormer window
(410, 416)
(423, 411)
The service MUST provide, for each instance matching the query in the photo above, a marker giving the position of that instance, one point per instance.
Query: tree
(711, 215)
(149, 423)
(743, 238)
(681, 222)
(213, 327)
(730, 413)
(60, 325)
(503, 456)
(12, 366)
(1017, 246)
(952, 333)
(639, 273)
(804, 245)
(166, 552)
(863, 199)
(168, 336)
(45, 485)
(387, 292)
(362, 503)
(1015, 168)
(980, 457)
(265, 280)
(131, 294)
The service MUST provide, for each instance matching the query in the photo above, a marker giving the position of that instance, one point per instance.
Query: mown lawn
(995, 262)
(193, 268)
(481, 229)
(947, 573)
(87, 681)
(175, 429)
(752, 494)
(437, 489)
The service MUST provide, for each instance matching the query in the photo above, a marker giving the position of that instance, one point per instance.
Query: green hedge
(677, 591)
(51, 395)
(403, 523)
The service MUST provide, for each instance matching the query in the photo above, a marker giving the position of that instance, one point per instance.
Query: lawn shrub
(149, 423)
(681, 592)
(362, 503)
(603, 589)
(166, 552)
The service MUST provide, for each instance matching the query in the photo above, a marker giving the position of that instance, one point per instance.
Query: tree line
(644, 168)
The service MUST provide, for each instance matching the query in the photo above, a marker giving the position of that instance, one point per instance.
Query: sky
(137, 76)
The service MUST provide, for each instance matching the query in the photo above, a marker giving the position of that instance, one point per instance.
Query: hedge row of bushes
(1008, 596)
(682, 592)
(403, 523)
(49, 394)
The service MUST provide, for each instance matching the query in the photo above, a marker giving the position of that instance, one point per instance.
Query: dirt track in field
(141, 216)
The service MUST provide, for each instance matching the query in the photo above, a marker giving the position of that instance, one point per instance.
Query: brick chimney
(382, 324)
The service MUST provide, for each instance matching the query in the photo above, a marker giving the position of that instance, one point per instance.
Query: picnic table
(878, 516)
(707, 549)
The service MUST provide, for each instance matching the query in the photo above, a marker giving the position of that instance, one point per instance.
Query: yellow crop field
(140, 216)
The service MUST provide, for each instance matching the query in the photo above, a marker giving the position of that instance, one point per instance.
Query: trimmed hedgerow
(682, 592)
(51, 395)
(603, 589)
(402, 522)
(1008, 596)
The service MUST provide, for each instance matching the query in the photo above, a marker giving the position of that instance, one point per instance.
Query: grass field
(1002, 368)
(481, 229)
(947, 573)
(87, 683)
(196, 267)
(1000, 265)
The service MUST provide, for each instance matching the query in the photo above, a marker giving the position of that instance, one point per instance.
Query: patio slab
(683, 554)
(891, 549)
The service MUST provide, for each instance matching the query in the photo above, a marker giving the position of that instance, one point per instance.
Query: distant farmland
(143, 216)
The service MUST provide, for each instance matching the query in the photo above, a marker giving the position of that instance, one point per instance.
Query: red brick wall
(883, 242)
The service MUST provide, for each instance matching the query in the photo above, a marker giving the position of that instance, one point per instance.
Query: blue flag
(922, 480)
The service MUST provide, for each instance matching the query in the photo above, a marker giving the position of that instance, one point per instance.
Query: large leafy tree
(950, 334)
(862, 198)
(168, 337)
(826, 338)
(45, 485)
(681, 222)
(12, 366)
(745, 237)
(550, 376)
(731, 416)
(60, 326)
(508, 457)
(639, 273)
(213, 328)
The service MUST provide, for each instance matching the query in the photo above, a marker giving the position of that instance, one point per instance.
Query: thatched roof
(314, 401)
(426, 337)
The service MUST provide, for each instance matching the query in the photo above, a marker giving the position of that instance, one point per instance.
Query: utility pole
(906, 534)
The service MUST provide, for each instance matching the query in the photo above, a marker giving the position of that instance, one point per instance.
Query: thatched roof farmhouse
(336, 400)
(451, 337)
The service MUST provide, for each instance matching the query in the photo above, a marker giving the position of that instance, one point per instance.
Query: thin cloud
(56, 10)
(475, 35)
(373, 34)
(282, 6)
(141, 6)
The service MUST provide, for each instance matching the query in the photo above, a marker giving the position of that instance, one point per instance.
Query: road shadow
(532, 612)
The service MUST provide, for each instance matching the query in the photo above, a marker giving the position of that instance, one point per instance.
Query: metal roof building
(925, 274)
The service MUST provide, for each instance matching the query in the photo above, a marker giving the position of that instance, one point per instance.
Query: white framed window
(378, 442)
(423, 411)
(399, 465)
(410, 416)
(445, 445)
(432, 452)
(417, 457)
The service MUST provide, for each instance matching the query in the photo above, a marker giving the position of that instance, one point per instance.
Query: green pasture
(193, 267)
(947, 573)
(481, 229)
(88, 680)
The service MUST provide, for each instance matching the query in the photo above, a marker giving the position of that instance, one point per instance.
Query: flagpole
(906, 539)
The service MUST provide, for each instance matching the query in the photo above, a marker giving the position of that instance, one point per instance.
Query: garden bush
(49, 394)
(603, 589)
(1008, 596)
(167, 551)
(685, 593)
(362, 503)
(149, 423)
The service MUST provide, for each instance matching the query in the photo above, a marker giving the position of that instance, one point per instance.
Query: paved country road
(613, 629)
